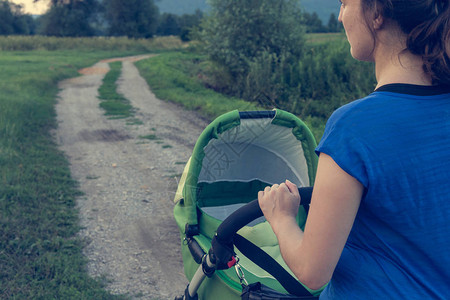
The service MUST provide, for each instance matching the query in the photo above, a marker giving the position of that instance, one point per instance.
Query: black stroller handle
(221, 252)
(248, 213)
(259, 114)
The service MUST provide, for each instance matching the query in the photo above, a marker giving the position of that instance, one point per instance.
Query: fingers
(288, 186)
(279, 201)
(260, 195)
(292, 188)
(271, 188)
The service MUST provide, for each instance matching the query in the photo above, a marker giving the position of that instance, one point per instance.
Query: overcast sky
(32, 8)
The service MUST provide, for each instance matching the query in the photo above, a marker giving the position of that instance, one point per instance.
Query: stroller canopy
(238, 149)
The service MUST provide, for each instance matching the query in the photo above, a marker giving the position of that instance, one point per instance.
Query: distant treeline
(13, 21)
(87, 18)
(131, 18)
(313, 23)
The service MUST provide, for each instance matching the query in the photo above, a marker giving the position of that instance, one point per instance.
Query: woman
(378, 225)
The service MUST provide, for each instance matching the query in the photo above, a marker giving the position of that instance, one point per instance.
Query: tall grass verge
(28, 43)
(174, 77)
(40, 254)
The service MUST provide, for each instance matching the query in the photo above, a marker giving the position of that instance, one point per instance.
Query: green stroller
(229, 251)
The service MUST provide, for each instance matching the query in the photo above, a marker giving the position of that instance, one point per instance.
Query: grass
(173, 76)
(113, 103)
(322, 38)
(40, 254)
(115, 44)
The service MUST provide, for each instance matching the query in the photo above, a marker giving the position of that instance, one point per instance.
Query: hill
(322, 7)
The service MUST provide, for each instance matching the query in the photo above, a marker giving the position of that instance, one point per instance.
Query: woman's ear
(378, 21)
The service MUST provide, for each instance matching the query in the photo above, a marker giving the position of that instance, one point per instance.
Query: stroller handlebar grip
(248, 213)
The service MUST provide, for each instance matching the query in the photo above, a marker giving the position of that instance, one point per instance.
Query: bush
(326, 78)
(239, 32)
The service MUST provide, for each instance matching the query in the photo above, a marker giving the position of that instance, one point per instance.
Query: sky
(32, 8)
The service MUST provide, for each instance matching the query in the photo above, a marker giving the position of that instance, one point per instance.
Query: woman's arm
(312, 255)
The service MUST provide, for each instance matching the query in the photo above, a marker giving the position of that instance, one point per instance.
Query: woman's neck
(394, 64)
(401, 73)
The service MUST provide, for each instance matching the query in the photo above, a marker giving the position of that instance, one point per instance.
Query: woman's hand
(279, 203)
(312, 255)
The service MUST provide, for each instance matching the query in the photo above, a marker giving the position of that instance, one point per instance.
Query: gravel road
(128, 181)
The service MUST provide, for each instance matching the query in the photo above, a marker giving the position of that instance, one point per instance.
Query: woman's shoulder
(360, 108)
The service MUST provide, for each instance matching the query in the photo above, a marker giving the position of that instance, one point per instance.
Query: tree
(239, 33)
(169, 24)
(6, 18)
(69, 18)
(132, 18)
(12, 20)
(188, 23)
(313, 23)
(333, 24)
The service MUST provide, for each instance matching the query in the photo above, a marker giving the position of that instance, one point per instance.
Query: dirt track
(128, 182)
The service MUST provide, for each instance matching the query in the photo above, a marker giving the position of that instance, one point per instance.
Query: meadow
(115, 44)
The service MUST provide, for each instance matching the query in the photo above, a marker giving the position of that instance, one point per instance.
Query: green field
(322, 38)
(115, 44)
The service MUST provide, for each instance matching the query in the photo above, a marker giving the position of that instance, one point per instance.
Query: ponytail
(431, 40)
(426, 24)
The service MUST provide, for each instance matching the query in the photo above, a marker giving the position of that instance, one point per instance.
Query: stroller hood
(240, 147)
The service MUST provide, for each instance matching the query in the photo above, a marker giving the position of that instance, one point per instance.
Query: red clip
(232, 262)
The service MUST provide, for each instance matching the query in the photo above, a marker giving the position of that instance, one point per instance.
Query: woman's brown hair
(427, 26)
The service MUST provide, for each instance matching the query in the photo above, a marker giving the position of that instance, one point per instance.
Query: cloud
(30, 7)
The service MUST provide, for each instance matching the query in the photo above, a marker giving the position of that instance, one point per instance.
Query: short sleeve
(342, 140)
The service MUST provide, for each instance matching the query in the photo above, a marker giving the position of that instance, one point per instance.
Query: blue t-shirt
(398, 146)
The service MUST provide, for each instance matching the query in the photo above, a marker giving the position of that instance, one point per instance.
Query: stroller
(229, 251)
